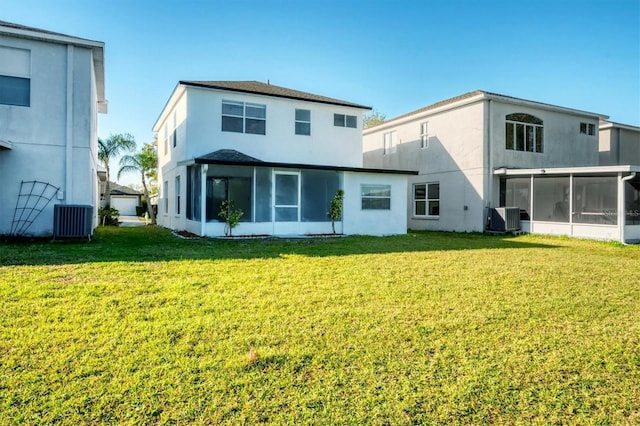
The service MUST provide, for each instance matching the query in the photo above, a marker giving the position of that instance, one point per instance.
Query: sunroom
(291, 199)
(600, 202)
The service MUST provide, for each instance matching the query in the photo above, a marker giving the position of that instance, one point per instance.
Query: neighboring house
(482, 150)
(51, 90)
(619, 144)
(279, 154)
(123, 198)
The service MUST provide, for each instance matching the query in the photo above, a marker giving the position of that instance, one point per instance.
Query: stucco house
(619, 143)
(483, 150)
(51, 90)
(279, 154)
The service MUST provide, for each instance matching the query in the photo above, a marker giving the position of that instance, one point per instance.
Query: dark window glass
(352, 121)
(509, 136)
(231, 124)
(303, 115)
(256, 127)
(303, 129)
(520, 137)
(15, 91)
(338, 120)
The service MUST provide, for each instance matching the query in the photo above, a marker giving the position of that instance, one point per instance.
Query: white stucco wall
(54, 139)
(374, 222)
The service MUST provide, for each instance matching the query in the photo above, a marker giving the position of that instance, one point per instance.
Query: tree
(144, 162)
(335, 208)
(109, 149)
(373, 118)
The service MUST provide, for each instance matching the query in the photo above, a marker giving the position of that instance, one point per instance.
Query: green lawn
(140, 327)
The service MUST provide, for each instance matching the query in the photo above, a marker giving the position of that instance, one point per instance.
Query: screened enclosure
(263, 194)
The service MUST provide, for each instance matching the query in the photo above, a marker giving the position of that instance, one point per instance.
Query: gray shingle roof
(38, 30)
(234, 158)
(259, 88)
(116, 189)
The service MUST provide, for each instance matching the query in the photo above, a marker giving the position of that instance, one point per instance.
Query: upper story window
(166, 141)
(174, 135)
(588, 129)
(424, 135)
(303, 122)
(342, 120)
(390, 142)
(244, 117)
(524, 132)
(15, 76)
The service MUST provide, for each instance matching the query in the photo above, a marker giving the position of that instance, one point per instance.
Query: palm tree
(144, 162)
(111, 148)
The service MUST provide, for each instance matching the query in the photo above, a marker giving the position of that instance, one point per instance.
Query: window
(341, 120)
(588, 129)
(390, 142)
(376, 197)
(303, 122)
(524, 132)
(165, 193)
(595, 200)
(424, 136)
(177, 194)
(174, 135)
(244, 117)
(15, 91)
(426, 199)
(15, 73)
(166, 142)
(226, 188)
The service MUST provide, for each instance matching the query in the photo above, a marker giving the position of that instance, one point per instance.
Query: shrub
(108, 216)
(230, 215)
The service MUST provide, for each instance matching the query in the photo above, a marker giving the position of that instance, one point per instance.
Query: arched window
(524, 132)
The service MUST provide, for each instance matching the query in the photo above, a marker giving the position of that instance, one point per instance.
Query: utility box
(72, 221)
(505, 219)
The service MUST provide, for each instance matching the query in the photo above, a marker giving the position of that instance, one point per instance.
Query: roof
(23, 31)
(476, 95)
(232, 157)
(593, 170)
(116, 189)
(604, 124)
(258, 88)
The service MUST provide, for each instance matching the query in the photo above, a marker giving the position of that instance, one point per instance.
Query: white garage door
(125, 205)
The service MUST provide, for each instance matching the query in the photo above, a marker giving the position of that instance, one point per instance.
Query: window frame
(343, 120)
(301, 121)
(527, 133)
(177, 195)
(390, 142)
(426, 200)
(424, 135)
(368, 197)
(587, 129)
(245, 117)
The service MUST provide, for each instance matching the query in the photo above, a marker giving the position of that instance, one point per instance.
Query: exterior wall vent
(72, 221)
(505, 219)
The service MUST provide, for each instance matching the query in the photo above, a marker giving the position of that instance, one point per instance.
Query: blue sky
(391, 55)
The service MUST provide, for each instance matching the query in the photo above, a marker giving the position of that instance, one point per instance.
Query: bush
(141, 210)
(108, 217)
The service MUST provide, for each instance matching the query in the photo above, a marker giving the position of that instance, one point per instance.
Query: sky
(395, 56)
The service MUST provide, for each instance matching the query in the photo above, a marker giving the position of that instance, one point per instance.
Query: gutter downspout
(621, 215)
(69, 129)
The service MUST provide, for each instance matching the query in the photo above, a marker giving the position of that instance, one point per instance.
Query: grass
(139, 327)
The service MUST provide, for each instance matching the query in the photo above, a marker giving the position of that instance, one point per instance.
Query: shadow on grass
(152, 243)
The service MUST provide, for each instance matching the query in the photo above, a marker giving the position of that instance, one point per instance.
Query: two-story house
(51, 90)
(482, 150)
(279, 154)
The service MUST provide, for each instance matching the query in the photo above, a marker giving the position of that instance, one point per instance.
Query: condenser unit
(72, 221)
(504, 219)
